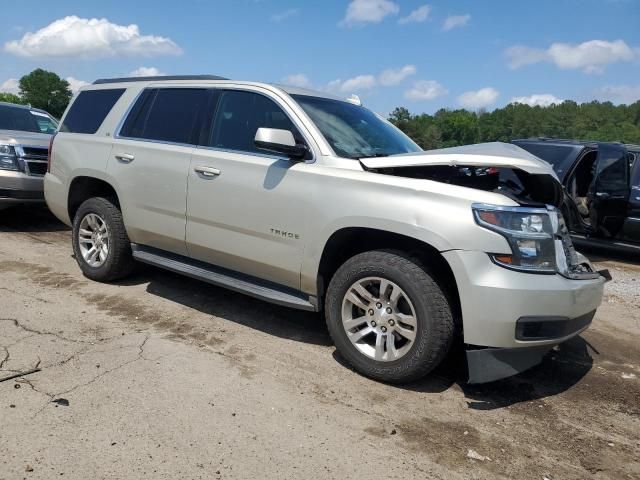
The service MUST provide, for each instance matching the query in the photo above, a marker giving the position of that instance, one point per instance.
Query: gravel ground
(160, 376)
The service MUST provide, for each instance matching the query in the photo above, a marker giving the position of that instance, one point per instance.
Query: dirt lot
(164, 377)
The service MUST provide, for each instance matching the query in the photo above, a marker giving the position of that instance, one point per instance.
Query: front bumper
(512, 319)
(493, 298)
(18, 188)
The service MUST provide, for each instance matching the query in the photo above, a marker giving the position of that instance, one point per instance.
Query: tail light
(50, 153)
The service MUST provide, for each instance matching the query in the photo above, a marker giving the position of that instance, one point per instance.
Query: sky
(423, 55)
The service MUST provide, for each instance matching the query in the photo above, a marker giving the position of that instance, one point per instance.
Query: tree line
(601, 121)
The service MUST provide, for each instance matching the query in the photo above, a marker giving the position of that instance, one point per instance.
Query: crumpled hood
(495, 154)
(15, 137)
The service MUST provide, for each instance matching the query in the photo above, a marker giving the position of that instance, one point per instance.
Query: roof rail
(162, 77)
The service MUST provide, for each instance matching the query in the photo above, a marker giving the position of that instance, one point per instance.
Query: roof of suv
(207, 80)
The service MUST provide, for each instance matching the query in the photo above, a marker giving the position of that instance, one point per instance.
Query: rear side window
(89, 110)
(166, 114)
(238, 117)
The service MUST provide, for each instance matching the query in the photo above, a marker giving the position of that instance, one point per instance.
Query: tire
(118, 261)
(433, 319)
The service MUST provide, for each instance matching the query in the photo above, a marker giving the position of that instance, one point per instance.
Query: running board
(220, 277)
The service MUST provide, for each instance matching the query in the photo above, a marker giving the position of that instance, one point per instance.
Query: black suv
(602, 185)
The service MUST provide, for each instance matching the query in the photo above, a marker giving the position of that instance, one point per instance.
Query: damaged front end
(494, 167)
(534, 229)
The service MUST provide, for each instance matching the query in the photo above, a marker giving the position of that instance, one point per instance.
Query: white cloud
(89, 38)
(454, 21)
(146, 72)
(419, 15)
(361, 82)
(538, 100)
(477, 99)
(297, 80)
(282, 16)
(368, 11)
(392, 77)
(75, 84)
(620, 93)
(591, 57)
(11, 85)
(425, 90)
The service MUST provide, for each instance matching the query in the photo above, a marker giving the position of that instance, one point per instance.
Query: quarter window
(89, 110)
(166, 114)
(238, 117)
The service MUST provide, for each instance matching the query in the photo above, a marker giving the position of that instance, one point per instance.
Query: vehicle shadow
(560, 370)
(305, 327)
(30, 219)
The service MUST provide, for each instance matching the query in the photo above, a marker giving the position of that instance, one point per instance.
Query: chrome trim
(24, 159)
(242, 152)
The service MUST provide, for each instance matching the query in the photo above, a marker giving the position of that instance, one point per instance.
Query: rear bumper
(18, 188)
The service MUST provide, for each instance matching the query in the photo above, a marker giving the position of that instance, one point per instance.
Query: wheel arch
(81, 188)
(349, 241)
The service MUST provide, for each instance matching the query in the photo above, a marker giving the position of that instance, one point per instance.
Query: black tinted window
(89, 110)
(238, 117)
(16, 118)
(166, 114)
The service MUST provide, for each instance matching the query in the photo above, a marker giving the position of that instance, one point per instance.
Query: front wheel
(388, 316)
(100, 242)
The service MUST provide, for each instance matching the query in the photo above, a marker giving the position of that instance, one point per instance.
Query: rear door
(150, 161)
(609, 193)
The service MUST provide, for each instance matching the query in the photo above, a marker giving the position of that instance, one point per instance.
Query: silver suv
(314, 202)
(25, 133)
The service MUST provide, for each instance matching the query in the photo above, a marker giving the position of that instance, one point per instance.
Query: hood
(496, 154)
(15, 137)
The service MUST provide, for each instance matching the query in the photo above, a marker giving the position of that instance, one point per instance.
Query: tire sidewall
(95, 206)
(421, 352)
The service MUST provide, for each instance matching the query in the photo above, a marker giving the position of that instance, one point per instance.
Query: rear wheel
(388, 316)
(100, 242)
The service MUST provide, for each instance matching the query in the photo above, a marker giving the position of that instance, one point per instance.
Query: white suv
(314, 202)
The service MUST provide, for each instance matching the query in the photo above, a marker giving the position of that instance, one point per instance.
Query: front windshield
(354, 131)
(25, 120)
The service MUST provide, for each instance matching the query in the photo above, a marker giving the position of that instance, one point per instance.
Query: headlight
(529, 231)
(8, 158)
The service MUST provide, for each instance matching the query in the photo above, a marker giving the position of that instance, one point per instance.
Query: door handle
(125, 157)
(207, 171)
(602, 195)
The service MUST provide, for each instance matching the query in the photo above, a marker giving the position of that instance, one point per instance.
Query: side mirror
(279, 141)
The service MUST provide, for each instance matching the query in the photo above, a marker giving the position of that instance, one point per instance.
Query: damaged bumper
(512, 319)
(489, 364)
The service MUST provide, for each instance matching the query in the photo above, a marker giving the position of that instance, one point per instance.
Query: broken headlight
(529, 231)
(8, 158)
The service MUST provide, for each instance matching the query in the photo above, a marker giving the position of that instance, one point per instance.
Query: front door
(246, 209)
(609, 192)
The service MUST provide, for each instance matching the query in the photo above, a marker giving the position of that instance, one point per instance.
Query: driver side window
(239, 115)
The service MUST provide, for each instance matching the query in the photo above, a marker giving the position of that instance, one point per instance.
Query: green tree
(45, 90)
(599, 121)
(10, 98)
